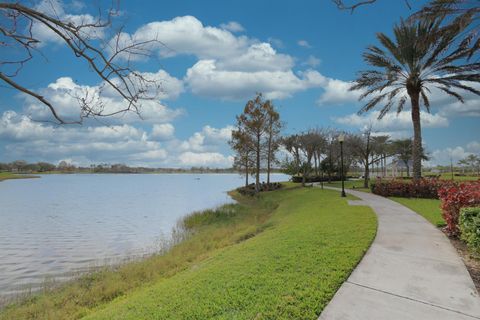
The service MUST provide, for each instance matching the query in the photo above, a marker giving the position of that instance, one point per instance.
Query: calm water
(60, 225)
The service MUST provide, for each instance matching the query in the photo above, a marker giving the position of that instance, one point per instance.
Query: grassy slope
(289, 271)
(280, 257)
(428, 208)
(8, 175)
(349, 184)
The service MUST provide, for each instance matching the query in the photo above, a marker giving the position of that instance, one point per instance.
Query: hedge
(456, 196)
(469, 225)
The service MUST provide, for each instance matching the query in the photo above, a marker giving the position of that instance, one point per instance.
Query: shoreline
(14, 176)
(220, 242)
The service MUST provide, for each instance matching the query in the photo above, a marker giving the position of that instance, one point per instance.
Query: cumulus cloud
(208, 139)
(337, 92)
(23, 138)
(205, 79)
(64, 94)
(56, 9)
(474, 147)
(228, 66)
(164, 131)
(232, 26)
(205, 159)
(454, 154)
(392, 121)
(187, 35)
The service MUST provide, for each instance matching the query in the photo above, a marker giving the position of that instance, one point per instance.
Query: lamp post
(341, 139)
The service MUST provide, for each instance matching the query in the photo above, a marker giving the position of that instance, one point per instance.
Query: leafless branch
(112, 62)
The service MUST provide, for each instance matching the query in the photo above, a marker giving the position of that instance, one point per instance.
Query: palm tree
(423, 55)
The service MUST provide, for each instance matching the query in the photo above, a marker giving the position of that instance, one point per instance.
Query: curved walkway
(411, 271)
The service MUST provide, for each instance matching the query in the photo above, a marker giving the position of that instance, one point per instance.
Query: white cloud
(304, 43)
(391, 121)
(208, 139)
(205, 159)
(205, 79)
(474, 147)
(454, 154)
(23, 138)
(187, 35)
(337, 92)
(64, 94)
(232, 26)
(56, 9)
(164, 131)
(228, 66)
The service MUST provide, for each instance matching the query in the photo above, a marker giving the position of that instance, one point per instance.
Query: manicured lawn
(349, 184)
(289, 271)
(282, 256)
(428, 208)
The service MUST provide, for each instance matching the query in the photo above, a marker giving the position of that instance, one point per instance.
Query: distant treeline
(21, 166)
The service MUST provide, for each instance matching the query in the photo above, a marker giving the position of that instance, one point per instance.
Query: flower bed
(456, 196)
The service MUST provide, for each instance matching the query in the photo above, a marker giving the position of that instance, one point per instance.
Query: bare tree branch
(112, 63)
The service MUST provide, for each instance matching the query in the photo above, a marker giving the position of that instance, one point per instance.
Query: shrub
(456, 196)
(250, 189)
(423, 188)
(469, 225)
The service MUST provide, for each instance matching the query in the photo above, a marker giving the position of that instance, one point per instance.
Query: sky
(216, 55)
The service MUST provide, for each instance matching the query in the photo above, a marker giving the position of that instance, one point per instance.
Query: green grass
(280, 256)
(428, 208)
(349, 184)
(8, 175)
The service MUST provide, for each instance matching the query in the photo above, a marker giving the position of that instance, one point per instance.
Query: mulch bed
(472, 263)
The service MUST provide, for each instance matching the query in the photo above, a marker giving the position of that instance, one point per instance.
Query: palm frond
(452, 93)
(426, 102)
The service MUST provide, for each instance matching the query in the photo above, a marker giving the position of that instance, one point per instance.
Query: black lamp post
(341, 139)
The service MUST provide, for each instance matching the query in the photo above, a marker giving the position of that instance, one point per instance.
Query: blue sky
(300, 54)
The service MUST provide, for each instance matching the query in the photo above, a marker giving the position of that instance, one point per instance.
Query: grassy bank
(427, 208)
(281, 256)
(8, 175)
(349, 184)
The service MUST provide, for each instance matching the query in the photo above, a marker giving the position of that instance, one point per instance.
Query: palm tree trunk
(417, 136)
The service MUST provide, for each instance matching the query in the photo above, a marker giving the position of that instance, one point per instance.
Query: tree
(471, 161)
(254, 121)
(291, 144)
(243, 147)
(381, 146)
(273, 135)
(410, 66)
(302, 148)
(402, 150)
(109, 59)
(362, 147)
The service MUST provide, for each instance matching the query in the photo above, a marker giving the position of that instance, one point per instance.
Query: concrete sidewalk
(411, 271)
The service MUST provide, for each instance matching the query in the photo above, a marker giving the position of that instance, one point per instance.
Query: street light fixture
(341, 139)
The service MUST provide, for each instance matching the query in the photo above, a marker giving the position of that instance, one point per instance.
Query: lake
(61, 225)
